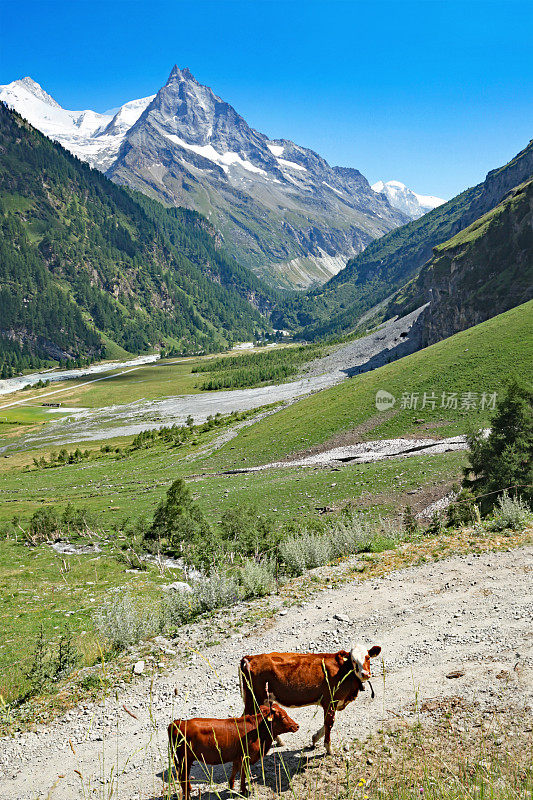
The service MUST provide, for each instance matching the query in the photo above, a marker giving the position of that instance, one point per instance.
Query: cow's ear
(374, 651)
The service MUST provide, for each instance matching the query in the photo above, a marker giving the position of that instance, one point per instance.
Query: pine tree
(504, 459)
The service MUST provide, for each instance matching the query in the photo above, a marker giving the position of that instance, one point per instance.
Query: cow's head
(360, 657)
(279, 720)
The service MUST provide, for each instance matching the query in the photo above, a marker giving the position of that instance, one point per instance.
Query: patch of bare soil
(418, 499)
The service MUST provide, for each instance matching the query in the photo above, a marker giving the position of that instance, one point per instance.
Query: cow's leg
(184, 770)
(245, 766)
(318, 735)
(329, 719)
(237, 767)
(180, 757)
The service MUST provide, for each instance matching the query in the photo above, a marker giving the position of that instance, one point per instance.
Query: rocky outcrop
(481, 272)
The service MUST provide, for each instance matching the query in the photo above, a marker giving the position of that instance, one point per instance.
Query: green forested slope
(394, 259)
(86, 265)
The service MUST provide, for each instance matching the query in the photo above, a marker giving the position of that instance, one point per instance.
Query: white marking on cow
(358, 654)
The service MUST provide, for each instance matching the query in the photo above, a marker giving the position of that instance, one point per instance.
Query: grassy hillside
(87, 266)
(391, 261)
(478, 360)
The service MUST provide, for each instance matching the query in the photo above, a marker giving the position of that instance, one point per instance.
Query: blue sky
(430, 93)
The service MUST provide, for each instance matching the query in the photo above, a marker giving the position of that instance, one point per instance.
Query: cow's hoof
(329, 750)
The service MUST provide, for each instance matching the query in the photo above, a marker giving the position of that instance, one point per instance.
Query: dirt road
(471, 615)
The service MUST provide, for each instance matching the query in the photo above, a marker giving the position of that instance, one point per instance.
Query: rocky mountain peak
(181, 75)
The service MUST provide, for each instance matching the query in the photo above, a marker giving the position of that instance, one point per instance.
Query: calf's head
(279, 720)
(360, 657)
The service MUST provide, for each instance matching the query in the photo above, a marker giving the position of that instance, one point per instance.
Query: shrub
(207, 593)
(66, 656)
(134, 544)
(258, 577)
(462, 511)
(39, 672)
(306, 551)
(177, 607)
(512, 513)
(214, 591)
(123, 622)
(349, 536)
(248, 532)
(44, 526)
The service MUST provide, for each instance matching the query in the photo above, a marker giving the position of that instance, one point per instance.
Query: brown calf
(331, 680)
(218, 741)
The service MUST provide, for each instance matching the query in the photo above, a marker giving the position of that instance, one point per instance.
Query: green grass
(35, 590)
(35, 587)
(287, 494)
(479, 360)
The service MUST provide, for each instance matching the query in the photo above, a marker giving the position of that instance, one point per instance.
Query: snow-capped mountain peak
(404, 199)
(91, 136)
(35, 89)
(280, 207)
(127, 115)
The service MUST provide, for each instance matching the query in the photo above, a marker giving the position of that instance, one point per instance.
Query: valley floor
(452, 631)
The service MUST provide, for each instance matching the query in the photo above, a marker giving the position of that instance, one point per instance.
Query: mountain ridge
(282, 210)
(404, 199)
(374, 276)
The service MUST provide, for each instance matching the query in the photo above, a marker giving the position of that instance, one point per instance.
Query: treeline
(81, 256)
(253, 369)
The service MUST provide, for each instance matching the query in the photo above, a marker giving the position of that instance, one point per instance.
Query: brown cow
(331, 680)
(217, 741)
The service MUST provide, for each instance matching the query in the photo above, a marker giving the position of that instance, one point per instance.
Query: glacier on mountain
(406, 200)
(90, 136)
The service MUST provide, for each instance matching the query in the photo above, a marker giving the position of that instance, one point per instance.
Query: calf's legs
(183, 762)
(325, 730)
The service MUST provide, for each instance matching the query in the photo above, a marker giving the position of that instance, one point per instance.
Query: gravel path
(468, 614)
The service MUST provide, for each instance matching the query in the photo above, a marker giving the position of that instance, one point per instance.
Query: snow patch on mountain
(276, 149)
(225, 160)
(291, 164)
(404, 199)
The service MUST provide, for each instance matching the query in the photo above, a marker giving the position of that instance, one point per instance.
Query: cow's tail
(245, 680)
